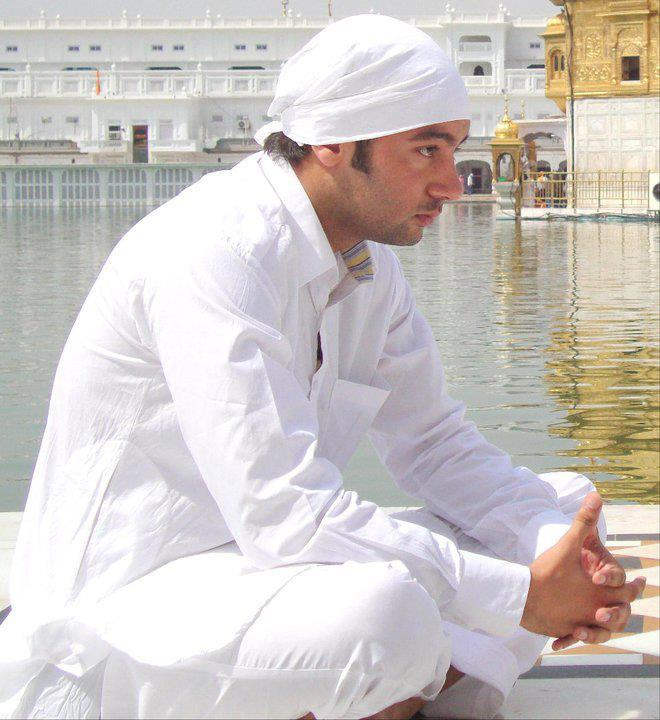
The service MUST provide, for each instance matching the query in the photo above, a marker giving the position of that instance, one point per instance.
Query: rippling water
(549, 332)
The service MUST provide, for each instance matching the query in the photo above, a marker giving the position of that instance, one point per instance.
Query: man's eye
(428, 150)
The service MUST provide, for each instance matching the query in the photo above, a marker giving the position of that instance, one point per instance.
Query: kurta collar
(316, 254)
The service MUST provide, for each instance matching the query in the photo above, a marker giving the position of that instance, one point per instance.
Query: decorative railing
(128, 84)
(217, 21)
(97, 184)
(475, 48)
(598, 191)
(211, 83)
(524, 82)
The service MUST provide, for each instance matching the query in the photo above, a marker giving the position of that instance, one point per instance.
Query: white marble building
(617, 134)
(133, 89)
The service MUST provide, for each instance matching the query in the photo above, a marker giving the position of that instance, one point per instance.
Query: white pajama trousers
(209, 636)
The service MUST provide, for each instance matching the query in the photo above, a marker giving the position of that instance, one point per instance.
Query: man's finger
(612, 575)
(613, 618)
(592, 635)
(563, 642)
(634, 589)
(587, 516)
(625, 594)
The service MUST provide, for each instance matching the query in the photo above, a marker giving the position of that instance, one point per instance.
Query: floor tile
(629, 563)
(632, 519)
(583, 699)
(647, 606)
(650, 624)
(652, 575)
(608, 658)
(647, 642)
(581, 649)
(652, 550)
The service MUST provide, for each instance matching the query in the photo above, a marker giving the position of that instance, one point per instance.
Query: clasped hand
(578, 590)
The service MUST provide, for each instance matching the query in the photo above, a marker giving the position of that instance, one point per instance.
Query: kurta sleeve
(216, 320)
(435, 454)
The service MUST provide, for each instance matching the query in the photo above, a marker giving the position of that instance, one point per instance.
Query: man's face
(410, 176)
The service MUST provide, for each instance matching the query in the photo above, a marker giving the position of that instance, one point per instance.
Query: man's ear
(329, 155)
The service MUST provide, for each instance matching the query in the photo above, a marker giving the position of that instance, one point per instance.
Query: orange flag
(98, 82)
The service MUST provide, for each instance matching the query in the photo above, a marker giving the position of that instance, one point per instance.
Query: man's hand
(578, 591)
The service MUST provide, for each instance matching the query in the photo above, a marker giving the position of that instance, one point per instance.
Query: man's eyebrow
(437, 135)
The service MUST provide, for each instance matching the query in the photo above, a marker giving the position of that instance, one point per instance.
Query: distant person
(470, 183)
(461, 180)
(542, 190)
(188, 547)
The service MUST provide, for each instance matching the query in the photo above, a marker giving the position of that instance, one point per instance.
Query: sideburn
(361, 157)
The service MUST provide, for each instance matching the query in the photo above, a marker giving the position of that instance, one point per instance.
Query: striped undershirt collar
(359, 263)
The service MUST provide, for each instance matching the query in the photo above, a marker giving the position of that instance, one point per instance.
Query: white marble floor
(582, 698)
(619, 680)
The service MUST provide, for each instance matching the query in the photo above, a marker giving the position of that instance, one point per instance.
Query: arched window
(505, 167)
(630, 68)
(563, 63)
(555, 63)
(478, 70)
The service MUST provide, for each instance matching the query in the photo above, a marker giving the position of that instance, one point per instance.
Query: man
(470, 182)
(188, 548)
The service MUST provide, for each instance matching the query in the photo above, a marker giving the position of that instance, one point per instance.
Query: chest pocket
(351, 411)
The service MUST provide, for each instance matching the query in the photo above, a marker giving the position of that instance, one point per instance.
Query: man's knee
(397, 622)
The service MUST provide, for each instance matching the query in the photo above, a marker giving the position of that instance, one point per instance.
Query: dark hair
(278, 145)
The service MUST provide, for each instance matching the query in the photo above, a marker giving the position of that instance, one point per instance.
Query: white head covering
(363, 77)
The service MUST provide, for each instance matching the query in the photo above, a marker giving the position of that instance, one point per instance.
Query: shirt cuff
(541, 533)
(491, 595)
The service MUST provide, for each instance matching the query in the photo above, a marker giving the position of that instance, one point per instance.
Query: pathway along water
(549, 333)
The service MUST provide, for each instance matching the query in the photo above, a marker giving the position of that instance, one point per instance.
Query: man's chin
(402, 236)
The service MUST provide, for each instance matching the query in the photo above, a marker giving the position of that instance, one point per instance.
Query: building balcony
(135, 84)
(472, 49)
(107, 147)
(481, 84)
(215, 84)
(524, 82)
(181, 145)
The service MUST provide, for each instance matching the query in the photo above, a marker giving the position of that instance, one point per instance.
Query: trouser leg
(340, 641)
(368, 636)
(493, 664)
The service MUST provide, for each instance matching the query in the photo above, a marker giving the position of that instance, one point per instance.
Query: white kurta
(187, 412)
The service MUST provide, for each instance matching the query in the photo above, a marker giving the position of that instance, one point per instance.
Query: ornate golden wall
(603, 32)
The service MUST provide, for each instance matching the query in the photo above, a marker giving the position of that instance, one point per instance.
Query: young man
(188, 548)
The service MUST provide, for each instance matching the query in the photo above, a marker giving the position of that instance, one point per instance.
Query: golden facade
(612, 47)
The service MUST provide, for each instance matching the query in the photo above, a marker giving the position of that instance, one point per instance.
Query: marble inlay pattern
(632, 653)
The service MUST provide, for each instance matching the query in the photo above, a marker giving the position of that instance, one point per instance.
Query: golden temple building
(603, 70)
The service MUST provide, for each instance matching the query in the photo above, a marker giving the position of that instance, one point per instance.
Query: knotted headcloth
(363, 77)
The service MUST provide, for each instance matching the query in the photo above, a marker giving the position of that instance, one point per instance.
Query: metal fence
(97, 184)
(606, 191)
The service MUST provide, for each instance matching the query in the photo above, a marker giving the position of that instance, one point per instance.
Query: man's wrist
(491, 595)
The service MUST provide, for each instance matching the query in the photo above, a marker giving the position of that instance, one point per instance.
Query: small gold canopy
(506, 128)
(556, 22)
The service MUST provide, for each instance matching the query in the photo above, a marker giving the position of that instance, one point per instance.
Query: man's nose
(447, 186)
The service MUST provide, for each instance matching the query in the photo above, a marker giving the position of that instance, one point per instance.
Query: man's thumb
(587, 516)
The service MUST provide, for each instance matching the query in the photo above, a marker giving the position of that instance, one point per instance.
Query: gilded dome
(506, 128)
(556, 22)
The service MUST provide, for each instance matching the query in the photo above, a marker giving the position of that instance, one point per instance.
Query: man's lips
(424, 219)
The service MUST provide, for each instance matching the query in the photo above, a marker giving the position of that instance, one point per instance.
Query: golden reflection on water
(602, 358)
